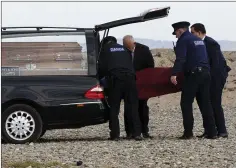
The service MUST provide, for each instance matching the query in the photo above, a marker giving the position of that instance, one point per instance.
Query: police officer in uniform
(115, 64)
(219, 73)
(191, 58)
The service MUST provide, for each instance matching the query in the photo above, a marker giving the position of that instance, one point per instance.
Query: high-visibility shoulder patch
(198, 43)
(117, 49)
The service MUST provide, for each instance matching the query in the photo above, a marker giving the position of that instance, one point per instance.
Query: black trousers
(216, 89)
(123, 86)
(143, 110)
(197, 83)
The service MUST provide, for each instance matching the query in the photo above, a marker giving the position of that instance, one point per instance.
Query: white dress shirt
(133, 54)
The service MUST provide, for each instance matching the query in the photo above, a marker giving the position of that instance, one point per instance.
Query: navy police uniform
(191, 58)
(115, 64)
(219, 73)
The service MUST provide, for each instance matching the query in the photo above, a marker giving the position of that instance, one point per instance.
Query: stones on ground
(179, 163)
(191, 158)
(89, 145)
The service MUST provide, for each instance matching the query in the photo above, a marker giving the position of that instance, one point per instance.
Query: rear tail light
(95, 93)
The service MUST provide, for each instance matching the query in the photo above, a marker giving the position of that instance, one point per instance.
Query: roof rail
(12, 32)
(40, 28)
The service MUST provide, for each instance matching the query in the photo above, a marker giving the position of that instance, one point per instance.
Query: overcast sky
(218, 17)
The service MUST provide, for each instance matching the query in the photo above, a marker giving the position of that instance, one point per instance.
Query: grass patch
(33, 164)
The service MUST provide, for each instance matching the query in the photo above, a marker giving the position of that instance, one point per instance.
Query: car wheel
(20, 124)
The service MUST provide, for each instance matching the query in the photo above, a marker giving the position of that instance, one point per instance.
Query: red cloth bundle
(152, 82)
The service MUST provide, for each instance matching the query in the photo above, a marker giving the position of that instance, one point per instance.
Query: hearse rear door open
(151, 14)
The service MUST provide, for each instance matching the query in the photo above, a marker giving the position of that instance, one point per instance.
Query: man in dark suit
(142, 58)
(219, 73)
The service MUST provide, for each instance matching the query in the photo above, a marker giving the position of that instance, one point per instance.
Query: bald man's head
(128, 42)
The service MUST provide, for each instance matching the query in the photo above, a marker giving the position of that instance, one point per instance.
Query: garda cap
(179, 25)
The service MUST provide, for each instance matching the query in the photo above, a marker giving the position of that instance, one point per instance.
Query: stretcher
(153, 82)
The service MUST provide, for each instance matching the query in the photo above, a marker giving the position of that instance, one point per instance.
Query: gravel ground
(90, 144)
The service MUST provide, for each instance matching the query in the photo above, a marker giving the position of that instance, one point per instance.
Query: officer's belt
(197, 70)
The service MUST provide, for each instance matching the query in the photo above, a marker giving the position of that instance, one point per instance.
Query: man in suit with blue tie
(219, 74)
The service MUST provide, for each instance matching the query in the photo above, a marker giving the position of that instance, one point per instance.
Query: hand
(173, 80)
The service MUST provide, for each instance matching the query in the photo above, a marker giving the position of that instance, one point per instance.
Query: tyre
(43, 132)
(20, 124)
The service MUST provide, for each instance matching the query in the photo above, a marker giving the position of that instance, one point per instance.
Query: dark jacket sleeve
(214, 54)
(181, 54)
(149, 57)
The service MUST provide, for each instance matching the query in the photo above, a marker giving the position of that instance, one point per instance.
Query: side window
(44, 55)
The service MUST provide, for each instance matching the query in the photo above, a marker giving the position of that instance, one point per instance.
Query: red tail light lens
(95, 93)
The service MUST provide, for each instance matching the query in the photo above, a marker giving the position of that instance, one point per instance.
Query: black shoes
(223, 135)
(210, 137)
(137, 138)
(186, 136)
(183, 137)
(129, 136)
(204, 135)
(147, 135)
(114, 138)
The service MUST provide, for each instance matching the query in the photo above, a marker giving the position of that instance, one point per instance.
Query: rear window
(44, 55)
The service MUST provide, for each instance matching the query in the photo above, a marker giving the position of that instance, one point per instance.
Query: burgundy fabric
(152, 82)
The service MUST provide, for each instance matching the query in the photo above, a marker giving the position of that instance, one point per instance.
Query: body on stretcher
(153, 82)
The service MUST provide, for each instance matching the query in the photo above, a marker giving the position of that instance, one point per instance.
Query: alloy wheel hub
(20, 125)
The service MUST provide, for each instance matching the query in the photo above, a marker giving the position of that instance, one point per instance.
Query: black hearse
(52, 84)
